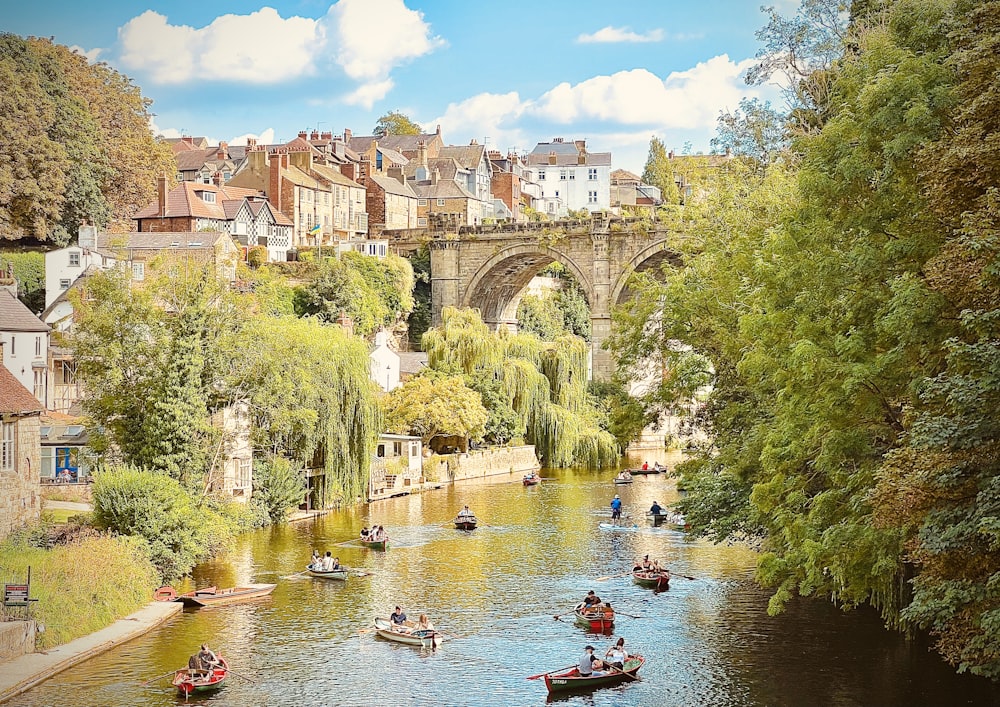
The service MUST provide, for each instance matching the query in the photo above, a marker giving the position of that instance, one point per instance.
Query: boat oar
(542, 675)
(626, 674)
(613, 576)
(289, 576)
(250, 680)
(159, 677)
(631, 616)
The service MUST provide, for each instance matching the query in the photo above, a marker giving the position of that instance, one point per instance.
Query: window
(440, 202)
(39, 386)
(562, 175)
(64, 283)
(572, 174)
(208, 197)
(591, 197)
(421, 222)
(244, 473)
(226, 176)
(13, 347)
(541, 175)
(38, 346)
(138, 271)
(592, 174)
(8, 446)
(421, 202)
(557, 193)
(397, 449)
(74, 259)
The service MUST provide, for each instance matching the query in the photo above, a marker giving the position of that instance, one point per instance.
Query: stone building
(20, 455)
(392, 205)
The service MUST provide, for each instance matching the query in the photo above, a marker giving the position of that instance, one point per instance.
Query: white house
(65, 265)
(567, 173)
(384, 363)
(24, 339)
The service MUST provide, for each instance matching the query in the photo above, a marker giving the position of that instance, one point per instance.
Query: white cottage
(384, 363)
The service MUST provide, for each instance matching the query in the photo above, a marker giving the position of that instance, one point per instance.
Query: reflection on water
(708, 641)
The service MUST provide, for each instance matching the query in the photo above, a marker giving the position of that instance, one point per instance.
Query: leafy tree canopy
(395, 123)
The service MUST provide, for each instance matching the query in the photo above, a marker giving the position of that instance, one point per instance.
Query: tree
(754, 130)
(395, 123)
(659, 173)
(436, 406)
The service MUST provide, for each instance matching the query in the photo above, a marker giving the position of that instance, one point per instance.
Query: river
(707, 640)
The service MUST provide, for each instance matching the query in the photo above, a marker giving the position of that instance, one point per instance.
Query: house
(234, 476)
(384, 363)
(476, 175)
(202, 165)
(324, 205)
(629, 194)
(511, 190)
(20, 450)
(411, 363)
(245, 214)
(65, 457)
(446, 201)
(406, 145)
(391, 204)
(398, 465)
(26, 341)
(569, 174)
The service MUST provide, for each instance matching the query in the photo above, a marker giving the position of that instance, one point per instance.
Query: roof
(447, 168)
(14, 316)
(14, 397)
(623, 175)
(301, 178)
(64, 295)
(567, 153)
(392, 186)
(469, 156)
(444, 189)
(334, 175)
(399, 143)
(159, 240)
(412, 361)
(183, 200)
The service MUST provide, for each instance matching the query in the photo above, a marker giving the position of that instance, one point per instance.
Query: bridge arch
(650, 257)
(496, 286)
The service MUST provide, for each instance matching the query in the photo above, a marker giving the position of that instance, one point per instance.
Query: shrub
(278, 485)
(154, 506)
(257, 256)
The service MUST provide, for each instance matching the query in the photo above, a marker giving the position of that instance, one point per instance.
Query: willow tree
(545, 383)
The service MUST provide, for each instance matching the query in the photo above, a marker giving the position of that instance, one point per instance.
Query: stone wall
(20, 491)
(482, 462)
(17, 638)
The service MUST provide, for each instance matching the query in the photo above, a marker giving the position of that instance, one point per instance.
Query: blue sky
(511, 73)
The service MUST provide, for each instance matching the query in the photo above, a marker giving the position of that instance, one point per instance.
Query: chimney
(188, 139)
(274, 180)
(422, 154)
(223, 152)
(251, 144)
(350, 170)
(161, 196)
(303, 134)
(729, 152)
(670, 155)
(438, 131)
(435, 175)
(397, 174)
(346, 323)
(552, 158)
(347, 135)
(314, 135)
(473, 141)
(87, 237)
(217, 178)
(326, 136)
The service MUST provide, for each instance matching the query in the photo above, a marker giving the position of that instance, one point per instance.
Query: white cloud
(91, 54)
(686, 99)
(484, 115)
(261, 47)
(163, 132)
(367, 93)
(266, 137)
(620, 34)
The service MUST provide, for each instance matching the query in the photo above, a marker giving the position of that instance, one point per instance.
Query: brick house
(392, 205)
(20, 453)
(446, 200)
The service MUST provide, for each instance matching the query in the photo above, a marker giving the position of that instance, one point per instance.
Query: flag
(314, 230)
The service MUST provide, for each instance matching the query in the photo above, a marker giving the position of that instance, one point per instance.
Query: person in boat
(591, 600)
(659, 467)
(586, 665)
(645, 466)
(616, 509)
(316, 559)
(398, 618)
(424, 624)
(616, 655)
(200, 665)
(327, 564)
(336, 564)
(642, 564)
(465, 513)
(364, 533)
(656, 509)
(380, 536)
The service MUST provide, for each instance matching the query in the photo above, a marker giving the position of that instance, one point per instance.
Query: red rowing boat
(187, 680)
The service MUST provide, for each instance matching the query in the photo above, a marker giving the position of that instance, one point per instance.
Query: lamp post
(388, 376)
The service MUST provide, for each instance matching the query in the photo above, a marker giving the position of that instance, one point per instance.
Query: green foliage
(659, 172)
(432, 405)
(503, 423)
(625, 416)
(155, 507)
(77, 143)
(29, 270)
(755, 131)
(375, 293)
(420, 318)
(544, 383)
(82, 586)
(278, 485)
(395, 123)
(257, 256)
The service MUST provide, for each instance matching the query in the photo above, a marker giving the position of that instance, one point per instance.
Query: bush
(82, 586)
(257, 256)
(154, 506)
(278, 485)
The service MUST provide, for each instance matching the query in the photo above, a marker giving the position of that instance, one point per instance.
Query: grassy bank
(82, 586)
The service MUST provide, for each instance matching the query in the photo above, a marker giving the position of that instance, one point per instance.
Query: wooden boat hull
(531, 480)
(465, 524)
(572, 681)
(643, 472)
(340, 574)
(424, 639)
(213, 597)
(651, 580)
(596, 622)
(376, 544)
(622, 482)
(187, 685)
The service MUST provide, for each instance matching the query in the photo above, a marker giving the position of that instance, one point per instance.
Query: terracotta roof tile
(14, 397)
(183, 200)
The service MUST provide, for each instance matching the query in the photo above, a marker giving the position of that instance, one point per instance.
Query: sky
(509, 74)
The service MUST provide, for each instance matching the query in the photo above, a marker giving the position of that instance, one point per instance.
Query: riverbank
(23, 673)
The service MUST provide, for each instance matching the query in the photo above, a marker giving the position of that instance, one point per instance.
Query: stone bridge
(488, 267)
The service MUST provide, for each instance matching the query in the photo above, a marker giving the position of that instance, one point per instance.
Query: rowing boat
(598, 619)
(210, 596)
(531, 479)
(619, 480)
(376, 544)
(651, 579)
(673, 520)
(427, 638)
(571, 680)
(339, 573)
(466, 522)
(645, 472)
(612, 526)
(187, 680)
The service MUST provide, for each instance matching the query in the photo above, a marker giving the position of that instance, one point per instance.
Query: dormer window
(208, 197)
